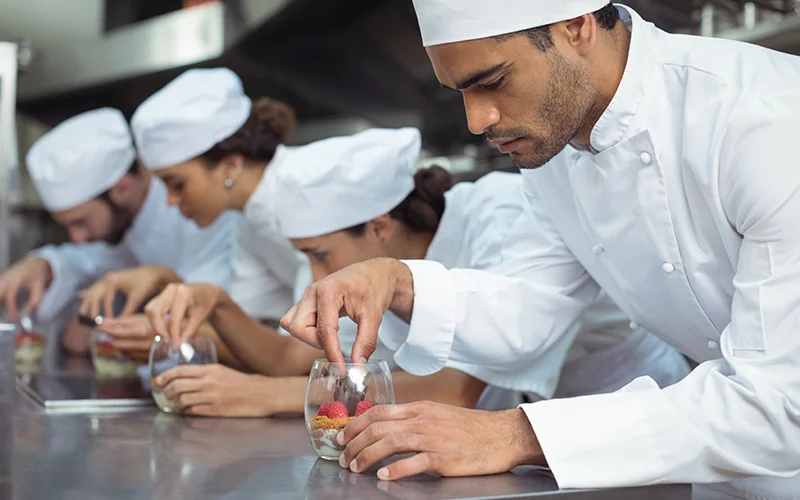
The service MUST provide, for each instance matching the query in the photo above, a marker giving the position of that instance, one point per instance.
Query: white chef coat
(685, 212)
(266, 264)
(159, 235)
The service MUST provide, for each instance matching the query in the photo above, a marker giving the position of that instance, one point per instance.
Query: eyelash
(177, 186)
(496, 84)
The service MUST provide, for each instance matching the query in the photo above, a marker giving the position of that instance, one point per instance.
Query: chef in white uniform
(340, 186)
(214, 148)
(87, 177)
(668, 178)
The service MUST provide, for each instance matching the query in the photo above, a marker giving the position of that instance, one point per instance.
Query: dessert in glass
(163, 357)
(337, 394)
(30, 347)
(110, 362)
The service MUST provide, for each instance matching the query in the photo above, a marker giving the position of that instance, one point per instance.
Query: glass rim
(370, 362)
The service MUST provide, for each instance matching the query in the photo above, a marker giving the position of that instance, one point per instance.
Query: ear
(232, 165)
(382, 227)
(579, 34)
(121, 192)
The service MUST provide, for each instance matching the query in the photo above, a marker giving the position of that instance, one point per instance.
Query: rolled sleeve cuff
(62, 288)
(433, 323)
(602, 441)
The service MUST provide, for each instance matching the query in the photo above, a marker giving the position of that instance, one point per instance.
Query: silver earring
(228, 183)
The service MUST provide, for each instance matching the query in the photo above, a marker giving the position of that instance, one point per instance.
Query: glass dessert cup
(163, 357)
(109, 362)
(30, 347)
(334, 399)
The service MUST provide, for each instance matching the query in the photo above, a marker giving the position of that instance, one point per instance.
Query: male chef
(662, 168)
(116, 213)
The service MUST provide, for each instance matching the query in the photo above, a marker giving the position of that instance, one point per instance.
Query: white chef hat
(81, 158)
(189, 116)
(448, 21)
(341, 182)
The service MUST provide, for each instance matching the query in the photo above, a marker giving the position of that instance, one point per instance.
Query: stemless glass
(109, 362)
(163, 357)
(334, 399)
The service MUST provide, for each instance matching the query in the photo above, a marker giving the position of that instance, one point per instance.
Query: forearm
(448, 386)
(287, 395)
(261, 348)
(224, 353)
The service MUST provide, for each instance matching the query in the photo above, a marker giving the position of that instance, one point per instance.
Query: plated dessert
(328, 422)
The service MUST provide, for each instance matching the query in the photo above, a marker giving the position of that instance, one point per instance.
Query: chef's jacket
(159, 235)
(266, 264)
(685, 210)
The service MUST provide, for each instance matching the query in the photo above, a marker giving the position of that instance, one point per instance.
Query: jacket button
(713, 345)
(634, 325)
(668, 268)
(598, 249)
(646, 158)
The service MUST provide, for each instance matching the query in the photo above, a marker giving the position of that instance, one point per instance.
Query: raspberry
(324, 409)
(362, 407)
(338, 410)
(106, 344)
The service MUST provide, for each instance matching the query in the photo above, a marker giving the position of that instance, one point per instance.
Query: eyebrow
(482, 75)
(167, 178)
(310, 250)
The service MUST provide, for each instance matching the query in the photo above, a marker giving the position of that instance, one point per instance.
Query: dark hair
(423, 208)
(541, 37)
(105, 195)
(270, 124)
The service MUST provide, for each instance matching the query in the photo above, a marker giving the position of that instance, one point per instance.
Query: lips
(506, 147)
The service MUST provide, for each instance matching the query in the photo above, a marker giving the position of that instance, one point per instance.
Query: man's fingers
(407, 467)
(379, 413)
(35, 292)
(286, 320)
(11, 301)
(188, 399)
(389, 445)
(366, 337)
(155, 314)
(330, 301)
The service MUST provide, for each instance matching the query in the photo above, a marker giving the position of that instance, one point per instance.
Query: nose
(481, 113)
(173, 199)
(78, 235)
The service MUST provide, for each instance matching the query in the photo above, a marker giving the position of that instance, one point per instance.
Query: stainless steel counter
(146, 454)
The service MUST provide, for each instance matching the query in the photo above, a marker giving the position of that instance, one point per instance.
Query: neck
(609, 67)
(413, 245)
(245, 184)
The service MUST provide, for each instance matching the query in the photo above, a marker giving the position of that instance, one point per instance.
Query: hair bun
(277, 116)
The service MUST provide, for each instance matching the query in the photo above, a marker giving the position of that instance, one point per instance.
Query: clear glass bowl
(29, 347)
(334, 399)
(109, 362)
(163, 357)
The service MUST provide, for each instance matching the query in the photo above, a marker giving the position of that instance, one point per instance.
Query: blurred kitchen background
(345, 65)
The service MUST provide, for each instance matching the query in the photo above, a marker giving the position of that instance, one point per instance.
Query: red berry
(324, 409)
(106, 344)
(338, 410)
(362, 407)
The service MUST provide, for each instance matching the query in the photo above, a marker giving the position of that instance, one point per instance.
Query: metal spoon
(26, 323)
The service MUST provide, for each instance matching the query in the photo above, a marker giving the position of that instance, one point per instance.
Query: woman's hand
(137, 283)
(133, 335)
(218, 391)
(180, 309)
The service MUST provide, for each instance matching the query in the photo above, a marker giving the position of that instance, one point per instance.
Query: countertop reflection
(147, 454)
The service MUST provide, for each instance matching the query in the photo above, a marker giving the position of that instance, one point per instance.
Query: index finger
(301, 320)
(108, 298)
(182, 371)
(11, 301)
(329, 303)
(379, 413)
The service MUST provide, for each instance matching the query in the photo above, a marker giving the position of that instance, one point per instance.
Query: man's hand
(188, 307)
(137, 283)
(363, 292)
(448, 440)
(35, 275)
(133, 335)
(216, 391)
